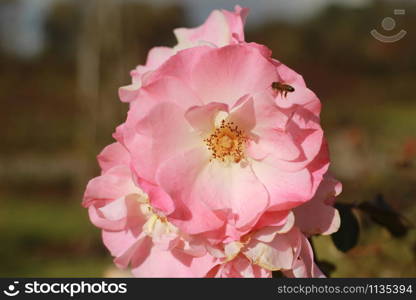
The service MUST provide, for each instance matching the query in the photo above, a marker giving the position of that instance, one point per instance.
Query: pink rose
(208, 134)
(215, 172)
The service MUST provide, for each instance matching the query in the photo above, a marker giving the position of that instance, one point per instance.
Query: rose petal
(316, 216)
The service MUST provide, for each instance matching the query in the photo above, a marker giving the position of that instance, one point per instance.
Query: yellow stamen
(227, 142)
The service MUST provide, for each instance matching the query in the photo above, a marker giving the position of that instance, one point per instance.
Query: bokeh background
(62, 61)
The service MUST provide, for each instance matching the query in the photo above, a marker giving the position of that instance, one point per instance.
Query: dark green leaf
(347, 235)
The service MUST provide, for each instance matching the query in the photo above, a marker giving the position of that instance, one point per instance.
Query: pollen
(227, 142)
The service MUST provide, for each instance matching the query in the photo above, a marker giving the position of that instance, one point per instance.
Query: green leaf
(347, 235)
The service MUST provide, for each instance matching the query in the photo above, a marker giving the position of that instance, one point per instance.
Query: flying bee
(283, 88)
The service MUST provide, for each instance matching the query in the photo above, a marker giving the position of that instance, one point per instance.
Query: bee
(283, 88)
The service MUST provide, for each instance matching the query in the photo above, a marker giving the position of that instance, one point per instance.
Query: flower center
(227, 142)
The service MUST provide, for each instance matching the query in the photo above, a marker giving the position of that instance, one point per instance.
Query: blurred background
(62, 61)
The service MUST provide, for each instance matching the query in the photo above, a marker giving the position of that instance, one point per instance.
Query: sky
(26, 38)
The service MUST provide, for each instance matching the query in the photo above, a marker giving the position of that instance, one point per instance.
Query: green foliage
(49, 237)
(346, 237)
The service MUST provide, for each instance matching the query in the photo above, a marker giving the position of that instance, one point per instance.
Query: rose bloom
(215, 172)
(214, 146)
